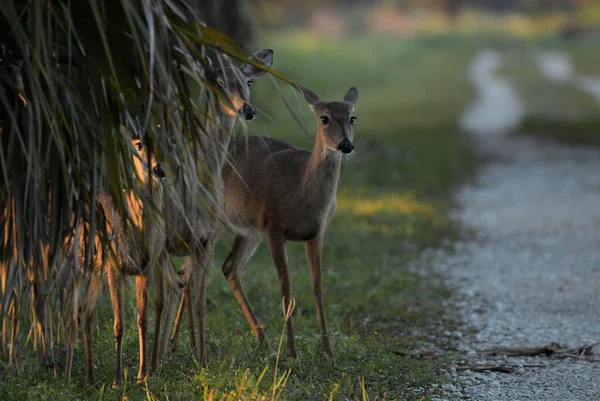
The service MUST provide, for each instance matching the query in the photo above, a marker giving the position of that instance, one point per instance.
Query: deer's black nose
(248, 112)
(345, 146)
(159, 170)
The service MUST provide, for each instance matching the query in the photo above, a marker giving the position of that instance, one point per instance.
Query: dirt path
(531, 275)
(559, 68)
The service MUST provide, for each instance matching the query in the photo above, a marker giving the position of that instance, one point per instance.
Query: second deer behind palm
(287, 194)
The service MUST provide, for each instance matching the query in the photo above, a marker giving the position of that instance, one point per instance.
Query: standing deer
(192, 212)
(133, 251)
(288, 194)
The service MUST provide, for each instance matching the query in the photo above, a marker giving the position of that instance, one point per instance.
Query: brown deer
(193, 226)
(133, 251)
(288, 194)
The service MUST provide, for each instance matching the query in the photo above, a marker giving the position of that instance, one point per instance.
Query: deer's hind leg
(71, 311)
(116, 286)
(40, 308)
(90, 303)
(165, 273)
(172, 322)
(204, 260)
(14, 313)
(241, 252)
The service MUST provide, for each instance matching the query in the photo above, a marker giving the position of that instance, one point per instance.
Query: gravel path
(531, 274)
(559, 68)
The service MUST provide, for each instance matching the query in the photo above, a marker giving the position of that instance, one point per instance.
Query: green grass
(559, 112)
(583, 51)
(573, 132)
(393, 201)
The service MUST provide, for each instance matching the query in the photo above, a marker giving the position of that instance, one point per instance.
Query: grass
(583, 133)
(583, 51)
(556, 111)
(393, 201)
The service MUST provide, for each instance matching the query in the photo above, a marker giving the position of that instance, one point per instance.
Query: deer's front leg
(116, 285)
(203, 260)
(159, 301)
(141, 290)
(314, 253)
(277, 248)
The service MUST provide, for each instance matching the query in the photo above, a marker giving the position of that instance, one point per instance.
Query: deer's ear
(264, 57)
(351, 96)
(311, 97)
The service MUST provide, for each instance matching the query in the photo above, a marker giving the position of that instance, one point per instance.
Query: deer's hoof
(93, 385)
(291, 353)
(262, 337)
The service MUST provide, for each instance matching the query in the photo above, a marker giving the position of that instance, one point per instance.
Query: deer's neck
(321, 175)
(219, 128)
(209, 157)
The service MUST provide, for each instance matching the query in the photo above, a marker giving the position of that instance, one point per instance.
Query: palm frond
(72, 74)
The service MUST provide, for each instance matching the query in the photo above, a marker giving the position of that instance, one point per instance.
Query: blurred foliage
(405, 17)
(233, 18)
(77, 78)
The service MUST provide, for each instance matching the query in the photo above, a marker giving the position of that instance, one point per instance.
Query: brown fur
(193, 226)
(288, 194)
(136, 249)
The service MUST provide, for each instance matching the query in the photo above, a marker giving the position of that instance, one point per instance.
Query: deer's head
(155, 171)
(234, 82)
(335, 119)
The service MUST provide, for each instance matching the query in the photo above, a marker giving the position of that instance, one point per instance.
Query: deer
(275, 189)
(193, 228)
(133, 251)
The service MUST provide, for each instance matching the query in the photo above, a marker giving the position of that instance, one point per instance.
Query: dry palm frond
(73, 74)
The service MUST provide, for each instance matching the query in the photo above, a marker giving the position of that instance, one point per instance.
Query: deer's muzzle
(248, 112)
(159, 170)
(345, 146)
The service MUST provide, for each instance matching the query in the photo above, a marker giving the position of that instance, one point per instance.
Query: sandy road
(531, 275)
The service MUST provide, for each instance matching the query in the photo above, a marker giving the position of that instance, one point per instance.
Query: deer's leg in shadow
(90, 303)
(116, 286)
(171, 329)
(159, 302)
(279, 254)
(242, 250)
(203, 260)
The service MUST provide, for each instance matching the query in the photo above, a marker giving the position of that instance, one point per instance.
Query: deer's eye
(139, 145)
(325, 120)
(352, 119)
